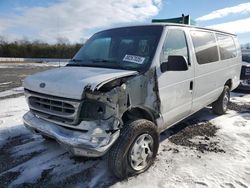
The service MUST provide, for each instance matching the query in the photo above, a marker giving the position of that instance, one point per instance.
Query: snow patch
(14, 91)
(11, 112)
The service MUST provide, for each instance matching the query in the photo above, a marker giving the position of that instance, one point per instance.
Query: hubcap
(225, 100)
(141, 152)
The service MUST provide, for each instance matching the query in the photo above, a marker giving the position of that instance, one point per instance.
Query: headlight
(92, 110)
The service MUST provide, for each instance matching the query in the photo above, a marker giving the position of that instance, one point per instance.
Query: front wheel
(135, 150)
(221, 104)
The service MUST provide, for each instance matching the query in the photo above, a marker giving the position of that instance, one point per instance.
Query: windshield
(246, 58)
(129, 48)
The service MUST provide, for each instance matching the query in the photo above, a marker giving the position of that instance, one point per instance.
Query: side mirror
(174, 63)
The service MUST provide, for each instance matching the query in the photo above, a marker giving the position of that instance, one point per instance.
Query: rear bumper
(77, 142)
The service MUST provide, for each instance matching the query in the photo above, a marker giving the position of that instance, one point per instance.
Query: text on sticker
(134, 59)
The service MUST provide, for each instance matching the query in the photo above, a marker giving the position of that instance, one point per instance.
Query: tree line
(38, 49)
(246, 46)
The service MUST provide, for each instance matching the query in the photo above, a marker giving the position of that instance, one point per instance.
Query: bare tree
(247, 45)
(62, 40)
(3, 40)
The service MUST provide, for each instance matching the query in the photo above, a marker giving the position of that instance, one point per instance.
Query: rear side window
(226, 46)
(205, 46)
(175, 44)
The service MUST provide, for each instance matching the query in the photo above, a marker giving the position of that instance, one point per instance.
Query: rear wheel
(135, 150)
(220, 106)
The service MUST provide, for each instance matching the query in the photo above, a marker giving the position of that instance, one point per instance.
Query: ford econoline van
(127, 85)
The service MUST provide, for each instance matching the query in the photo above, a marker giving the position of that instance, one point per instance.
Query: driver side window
(175, 44)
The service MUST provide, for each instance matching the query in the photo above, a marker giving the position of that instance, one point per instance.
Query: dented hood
(70, 82)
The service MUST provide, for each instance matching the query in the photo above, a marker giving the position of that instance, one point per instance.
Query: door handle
(191, 85)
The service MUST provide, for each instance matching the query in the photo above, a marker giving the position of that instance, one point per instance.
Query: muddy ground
(241, 108)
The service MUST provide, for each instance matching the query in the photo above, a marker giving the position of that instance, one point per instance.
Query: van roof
(197, 27)
(178, 25)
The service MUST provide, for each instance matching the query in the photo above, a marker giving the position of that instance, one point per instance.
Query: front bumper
(244, 84)
(77, 142)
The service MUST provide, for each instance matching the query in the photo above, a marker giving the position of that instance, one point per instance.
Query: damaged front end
(87, 127)
(79, 143)
(90, 126)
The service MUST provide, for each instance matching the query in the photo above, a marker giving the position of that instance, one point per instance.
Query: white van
(127, 85)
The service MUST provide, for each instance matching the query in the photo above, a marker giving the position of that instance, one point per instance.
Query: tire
(220, 106)
(141, 136)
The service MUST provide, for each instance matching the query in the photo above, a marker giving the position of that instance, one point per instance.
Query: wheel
(221, 104)
(135, 150)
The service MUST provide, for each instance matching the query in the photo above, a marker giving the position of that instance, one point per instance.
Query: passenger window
(175, 44)
(226, 46)
(205, 46)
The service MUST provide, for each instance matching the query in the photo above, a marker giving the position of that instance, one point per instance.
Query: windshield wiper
(75, 62)
(102, 60)
(96, 63)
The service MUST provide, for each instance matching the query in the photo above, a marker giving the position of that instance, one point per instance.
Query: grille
(52, 105)
(53, 108)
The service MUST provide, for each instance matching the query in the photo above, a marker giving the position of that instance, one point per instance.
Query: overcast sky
(78, 19)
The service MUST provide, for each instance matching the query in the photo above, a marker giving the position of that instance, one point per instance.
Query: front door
(175, 87)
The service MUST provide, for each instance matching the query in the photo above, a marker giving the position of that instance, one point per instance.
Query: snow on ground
(11, 112)
(29, 65)
(29, 160)
(10, 92)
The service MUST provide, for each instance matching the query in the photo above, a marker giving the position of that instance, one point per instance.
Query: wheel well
(229, 83)
(138, 113)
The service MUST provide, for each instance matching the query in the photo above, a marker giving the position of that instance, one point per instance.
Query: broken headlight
(92, 110)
